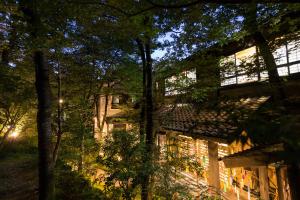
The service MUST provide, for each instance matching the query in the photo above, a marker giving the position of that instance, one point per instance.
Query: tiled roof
(219, 122)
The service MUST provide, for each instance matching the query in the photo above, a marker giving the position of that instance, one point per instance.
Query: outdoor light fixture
(14, 134)
(60, 100)
(184, 136)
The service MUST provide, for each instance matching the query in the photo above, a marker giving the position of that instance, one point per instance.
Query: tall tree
(35, 27)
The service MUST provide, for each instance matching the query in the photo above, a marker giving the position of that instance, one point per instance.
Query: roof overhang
(258, 156)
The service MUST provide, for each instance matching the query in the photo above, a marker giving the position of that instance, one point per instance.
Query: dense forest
(149, 99)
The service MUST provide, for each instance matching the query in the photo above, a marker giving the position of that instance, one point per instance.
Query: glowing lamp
(14, 134)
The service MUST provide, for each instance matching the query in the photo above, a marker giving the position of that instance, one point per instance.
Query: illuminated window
(282, 71)
(119, 127)
(240, 67)
(294, 51)
(295, 68)
(176, 84)
(237, 68)
(117, 100)
(280, 55)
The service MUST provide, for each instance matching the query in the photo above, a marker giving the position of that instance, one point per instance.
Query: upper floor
(236, 67)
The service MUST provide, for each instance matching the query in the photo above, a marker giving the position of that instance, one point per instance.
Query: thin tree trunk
(81, 158)
(97, 103)
(59, 118)
(105, 113)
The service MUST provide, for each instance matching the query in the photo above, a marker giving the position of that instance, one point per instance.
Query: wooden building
(218, 129)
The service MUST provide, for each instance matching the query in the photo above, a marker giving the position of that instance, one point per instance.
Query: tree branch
(192, 3)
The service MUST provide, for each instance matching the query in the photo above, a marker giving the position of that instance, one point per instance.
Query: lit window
(246, 56)
(234, 68)
(119, 127)
(228, 81)
(116, 100)
(294, 51)
(227, 65)
(282, 71)
(280, 55)
(247, 78)
(191, 75)
(295, 68)
(176, 84)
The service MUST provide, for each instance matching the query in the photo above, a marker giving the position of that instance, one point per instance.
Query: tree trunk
(148, 120)
(143, 102)
(46, 182)
(265, 51)
(143, 118)
(149, 98)
(81, 158)
(105, 114)
(274, 79)
(59, 117)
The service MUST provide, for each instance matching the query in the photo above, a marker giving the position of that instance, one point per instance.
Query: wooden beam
(244, 161)
(213, 169)
(280, 182)
(263, 182)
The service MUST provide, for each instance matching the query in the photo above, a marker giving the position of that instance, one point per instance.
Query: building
(217, 128)
(112, 112)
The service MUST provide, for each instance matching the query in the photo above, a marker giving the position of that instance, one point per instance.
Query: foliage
(74, 186)
(121, 154)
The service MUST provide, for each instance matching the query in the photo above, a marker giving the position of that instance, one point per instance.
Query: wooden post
(263, 182)
(213, 169)
(280, 182)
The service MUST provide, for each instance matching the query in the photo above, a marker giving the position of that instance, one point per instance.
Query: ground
(19, 175)
(18, 172)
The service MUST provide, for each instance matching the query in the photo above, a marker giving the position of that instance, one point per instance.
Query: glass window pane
(294, 51)
(247, 78)
(228, 81)
(295, 68)
(245, 56)
(280, 55)
(116, 100)
(282, 71)
(227, 66)
(191, 75)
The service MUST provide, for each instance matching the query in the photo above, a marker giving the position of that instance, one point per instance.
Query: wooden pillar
(263, 182)
(280, 182)
(213, 169)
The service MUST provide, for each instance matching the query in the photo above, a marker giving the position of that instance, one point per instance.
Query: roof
(217, 124)
(256, 156)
